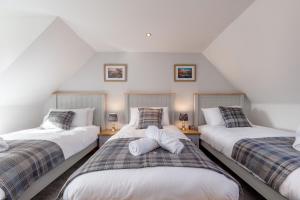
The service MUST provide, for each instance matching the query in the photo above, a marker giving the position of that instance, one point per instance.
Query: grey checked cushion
(150, 117)
(61, 119)
(234, 117)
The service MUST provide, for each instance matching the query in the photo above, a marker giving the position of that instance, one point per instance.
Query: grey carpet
(51, 191)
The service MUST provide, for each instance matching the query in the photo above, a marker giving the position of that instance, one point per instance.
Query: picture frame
(185, 72)
(115, 72)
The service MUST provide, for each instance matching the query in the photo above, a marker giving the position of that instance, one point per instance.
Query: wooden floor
(50, 192)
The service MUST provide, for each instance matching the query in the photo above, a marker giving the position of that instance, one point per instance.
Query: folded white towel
(296, 144)
(164, 140)
(3, 145)
(170, 143)
(153, 132)
(142, 146)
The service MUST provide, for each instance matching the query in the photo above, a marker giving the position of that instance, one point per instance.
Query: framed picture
(184, 72)
(115, 72)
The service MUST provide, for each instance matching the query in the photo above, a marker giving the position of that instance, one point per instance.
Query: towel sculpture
(296, 144)
(3, 145)
(141, 146)
(155, 138)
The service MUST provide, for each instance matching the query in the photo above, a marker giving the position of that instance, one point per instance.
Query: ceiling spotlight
(148, 35)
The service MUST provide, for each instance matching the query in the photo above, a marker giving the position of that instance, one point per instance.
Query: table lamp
(113, 117)
(183, 117)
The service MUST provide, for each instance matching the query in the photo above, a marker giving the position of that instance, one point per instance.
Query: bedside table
(104, 135)
(194, 135)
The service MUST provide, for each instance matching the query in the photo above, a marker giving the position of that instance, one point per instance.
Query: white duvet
(223, 140)
(157, 183)
(71, 141)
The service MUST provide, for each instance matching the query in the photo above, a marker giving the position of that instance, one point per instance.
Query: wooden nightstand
(194, 135)
(104, 135)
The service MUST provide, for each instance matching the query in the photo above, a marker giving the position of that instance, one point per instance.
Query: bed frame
(202, 100)
(67, 100)
(143, 99)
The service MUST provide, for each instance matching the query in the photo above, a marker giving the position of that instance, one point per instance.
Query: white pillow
(134, 116)
(90, 117)
(81, 117)
(213, 116)
(48, 124)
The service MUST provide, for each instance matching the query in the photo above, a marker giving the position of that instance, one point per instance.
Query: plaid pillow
(234, 117)
(150, 116)
(61, 119)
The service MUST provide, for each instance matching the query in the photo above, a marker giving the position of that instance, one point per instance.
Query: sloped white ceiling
(52, 58)
(260, 51)
(17, 33)
(117, 25)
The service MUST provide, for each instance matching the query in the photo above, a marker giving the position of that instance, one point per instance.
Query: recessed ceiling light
(148, 35)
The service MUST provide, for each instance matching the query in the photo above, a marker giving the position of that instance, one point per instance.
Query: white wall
(282, 116)
(19, 117)
(24, 85)
(17, 34)
(50, 59)
(149, 72)
(259, 54)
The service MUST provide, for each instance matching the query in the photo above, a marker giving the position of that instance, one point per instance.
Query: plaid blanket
(115, 155)
(272, 159)
(25, 162)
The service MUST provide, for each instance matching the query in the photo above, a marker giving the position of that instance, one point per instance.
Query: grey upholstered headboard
(206, 100)
(150, 100)
(69, 100)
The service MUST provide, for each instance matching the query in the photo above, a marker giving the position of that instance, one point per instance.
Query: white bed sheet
(165, 182)
(223, 140)
(70, 141)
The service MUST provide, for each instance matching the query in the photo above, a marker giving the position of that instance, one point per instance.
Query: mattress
(166, 182)
(223, 140)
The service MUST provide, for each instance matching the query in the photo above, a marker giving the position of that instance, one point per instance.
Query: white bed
(75, 143)
(219, 142)
(152, 183)
(223, 140)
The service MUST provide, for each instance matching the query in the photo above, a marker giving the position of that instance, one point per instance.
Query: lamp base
(113, 129)
(183, 126)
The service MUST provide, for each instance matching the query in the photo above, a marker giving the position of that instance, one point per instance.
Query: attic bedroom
(144, 100)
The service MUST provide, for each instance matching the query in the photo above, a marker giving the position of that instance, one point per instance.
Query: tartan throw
(61, 119)
(25, 162)
(150, 117)
(115, 155)
(234, 117)
(272, 159)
